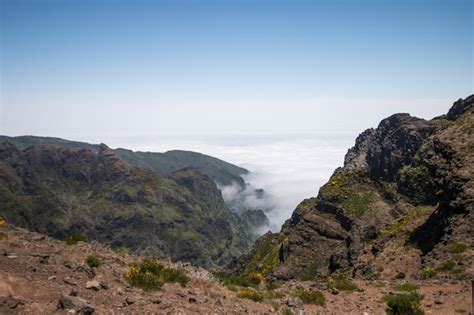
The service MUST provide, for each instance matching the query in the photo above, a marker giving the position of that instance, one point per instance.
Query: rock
(130, 300)
(120, 291)
(294, 301)
(12, 257)
(334, 291)
(69, 264)
(93, 285)
(156, 301)
(69, 280)
(438, 302)
(10, 302)
(71, 291)
(192, 300)
(77, 304)
(104, 285)
(51, 278)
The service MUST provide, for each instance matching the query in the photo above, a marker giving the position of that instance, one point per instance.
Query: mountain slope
(61, 191)
(166, 163)
(401, 205)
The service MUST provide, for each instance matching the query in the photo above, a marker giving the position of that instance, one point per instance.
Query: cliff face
(60, 191)
(402, 203)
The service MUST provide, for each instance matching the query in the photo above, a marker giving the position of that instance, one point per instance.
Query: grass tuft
(93, 261)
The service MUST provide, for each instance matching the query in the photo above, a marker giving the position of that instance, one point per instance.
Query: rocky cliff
(63, 191)
(401, 206)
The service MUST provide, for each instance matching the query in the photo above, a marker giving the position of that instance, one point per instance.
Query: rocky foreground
(41, 275)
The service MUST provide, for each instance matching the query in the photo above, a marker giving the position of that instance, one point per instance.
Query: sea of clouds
(289, 168)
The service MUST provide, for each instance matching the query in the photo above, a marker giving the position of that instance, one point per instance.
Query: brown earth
(36, 270)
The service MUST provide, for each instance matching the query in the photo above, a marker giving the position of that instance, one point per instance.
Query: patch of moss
(358, 203)
(310, 296)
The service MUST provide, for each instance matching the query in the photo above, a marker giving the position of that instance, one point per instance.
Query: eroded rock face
(60, 191)
(407, 182)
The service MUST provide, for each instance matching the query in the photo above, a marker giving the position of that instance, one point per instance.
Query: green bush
(309, 296)
(250, 294)
(123, 250)
(428, 273)
(230, 281)
(151, 275)
(73, 239)
(408, 287)
(342, 283)
(403, 304)
(93, 261)
(457, 248)
(446, 266)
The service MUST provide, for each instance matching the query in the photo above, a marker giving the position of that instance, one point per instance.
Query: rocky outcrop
(406, 187)
(61, 191)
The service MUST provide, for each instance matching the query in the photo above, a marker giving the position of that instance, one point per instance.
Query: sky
(75, 69)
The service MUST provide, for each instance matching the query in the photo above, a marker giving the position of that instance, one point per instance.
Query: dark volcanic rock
(407, 182)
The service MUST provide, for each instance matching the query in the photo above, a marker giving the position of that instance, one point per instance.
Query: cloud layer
(289, 168)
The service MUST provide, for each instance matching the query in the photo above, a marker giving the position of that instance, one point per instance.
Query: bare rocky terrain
(42, 275)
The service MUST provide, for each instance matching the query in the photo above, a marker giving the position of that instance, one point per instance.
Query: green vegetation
(340, 190)
(341, 282)
(73, 239)
(266, 257)
(428, 273)
(93, 261)
(400, 275)
(287, 311)
(231, 281)
(403, 304)
(151, 275)
(397, 226)
(122, 251)
(310, 296)
(460, 311)
(407, 287)
(417, 184)
(456, 248)
(255, 277)
(250, 294)
(446, 266)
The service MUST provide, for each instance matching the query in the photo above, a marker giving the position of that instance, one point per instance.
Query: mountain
(219, 171)
(401, 206)
(62, 191)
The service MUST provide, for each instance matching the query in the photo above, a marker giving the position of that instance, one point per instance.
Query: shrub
(457, 248)
(287, 311)
(73, 239)
(446, 266)
(2, 221)
(93, 261)
(123, 250)
(250, 294)
(341, 282)
(230, 281)
(428, 273)
(403, 304)
(309, 296)
(151, 275)
(255, 277)
(408, 287)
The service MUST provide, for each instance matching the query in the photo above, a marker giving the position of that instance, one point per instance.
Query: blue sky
(148, 67)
